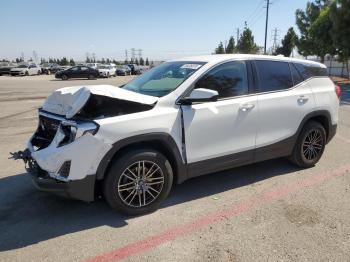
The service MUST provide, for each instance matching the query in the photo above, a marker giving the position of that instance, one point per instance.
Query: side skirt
(280, 149)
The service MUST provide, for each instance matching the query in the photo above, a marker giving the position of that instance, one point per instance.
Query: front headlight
(73, 131)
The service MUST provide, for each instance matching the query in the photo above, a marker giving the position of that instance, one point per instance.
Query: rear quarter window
(308, 71)
(273, 75)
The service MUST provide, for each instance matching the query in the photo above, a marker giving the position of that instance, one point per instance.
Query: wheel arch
(161, 142)
(321, 116)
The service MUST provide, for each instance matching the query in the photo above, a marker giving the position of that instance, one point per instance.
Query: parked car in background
(123, 70)
(106, 70)
(92, 65)
(5, 67)
(49, 68)
(78, 72)
(26, 70)
(135, 70)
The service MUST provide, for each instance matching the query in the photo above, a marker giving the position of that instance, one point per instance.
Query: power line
(255, 12)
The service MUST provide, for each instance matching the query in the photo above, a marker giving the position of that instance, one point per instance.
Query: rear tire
(138, 182)
(64, 77)
(310, 145)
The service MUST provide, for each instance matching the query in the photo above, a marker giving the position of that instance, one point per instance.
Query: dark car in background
(5, 68)
(123, 70)
(135, 70)
(78, 72)
(50, 68)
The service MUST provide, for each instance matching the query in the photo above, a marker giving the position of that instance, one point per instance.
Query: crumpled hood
(69, 100)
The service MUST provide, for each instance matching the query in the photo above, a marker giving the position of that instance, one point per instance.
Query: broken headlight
(73, 130)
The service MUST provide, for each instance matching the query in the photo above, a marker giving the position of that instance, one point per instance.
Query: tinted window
(297, 78)
(307, 70)
(229, 79)
(274, 75)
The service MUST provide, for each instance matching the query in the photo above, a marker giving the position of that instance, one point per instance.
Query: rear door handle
(246, 107)
(302, 99)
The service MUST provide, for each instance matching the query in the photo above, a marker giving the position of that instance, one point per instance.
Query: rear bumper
(332, 132)
(82, 189)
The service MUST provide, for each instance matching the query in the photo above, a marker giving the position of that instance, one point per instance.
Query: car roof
(226, 57)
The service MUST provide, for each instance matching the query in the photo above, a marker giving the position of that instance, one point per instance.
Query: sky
(163, 29)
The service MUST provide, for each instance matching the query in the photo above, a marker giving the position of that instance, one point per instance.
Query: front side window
(229, 79)
(273, 75)
(163, 79)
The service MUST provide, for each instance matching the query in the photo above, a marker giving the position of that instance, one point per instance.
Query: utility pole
(267, 21)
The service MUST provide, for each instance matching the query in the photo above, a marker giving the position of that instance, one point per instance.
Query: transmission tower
(133, 53)
(275, 38)
(126, 55)
(139, 53)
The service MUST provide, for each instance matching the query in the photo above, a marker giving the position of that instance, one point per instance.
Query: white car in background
(26, 70)
(106, 70)
(92, 65)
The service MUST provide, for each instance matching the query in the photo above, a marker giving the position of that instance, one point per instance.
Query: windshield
(22, 66)
(103, 67)
(164, 78)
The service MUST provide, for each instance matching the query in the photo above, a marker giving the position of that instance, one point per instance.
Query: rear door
(222, 132)
(283, 101)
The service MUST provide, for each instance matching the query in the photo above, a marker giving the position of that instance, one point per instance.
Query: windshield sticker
(191, 66)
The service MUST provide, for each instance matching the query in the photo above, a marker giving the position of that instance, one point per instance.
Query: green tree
(136, 61)
(220, 49)
(142, 62)
(71, 62)
(147, 62)
(64, 61)
(315, 27)
(288, 43)
(340, 16)
(246, 44)
(231, 48)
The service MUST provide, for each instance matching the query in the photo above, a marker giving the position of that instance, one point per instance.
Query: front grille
(46, 131)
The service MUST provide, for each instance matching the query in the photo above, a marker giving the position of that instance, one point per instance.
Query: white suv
(182, 119)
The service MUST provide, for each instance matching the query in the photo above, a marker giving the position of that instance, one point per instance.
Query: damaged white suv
(182, 119)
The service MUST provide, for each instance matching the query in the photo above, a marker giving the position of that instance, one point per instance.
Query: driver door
(221, 134)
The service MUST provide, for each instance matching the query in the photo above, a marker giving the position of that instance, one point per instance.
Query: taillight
(338, 90)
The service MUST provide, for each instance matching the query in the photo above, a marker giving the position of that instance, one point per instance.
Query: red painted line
(185, 229)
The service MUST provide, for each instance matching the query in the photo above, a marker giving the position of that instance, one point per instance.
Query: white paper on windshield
(191, 66)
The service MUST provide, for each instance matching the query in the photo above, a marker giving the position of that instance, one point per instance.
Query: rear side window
(229, 79)
(273, 75)
(297, 77)
(307, 70)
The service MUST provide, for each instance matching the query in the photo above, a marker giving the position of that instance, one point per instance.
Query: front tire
(91, 77)
(64, 77)
(138, 182)
(310, 145)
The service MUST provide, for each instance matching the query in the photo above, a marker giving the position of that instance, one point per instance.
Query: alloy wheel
(312, 145)
(140, 183)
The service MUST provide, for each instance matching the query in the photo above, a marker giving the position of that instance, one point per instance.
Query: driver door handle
(246, 107)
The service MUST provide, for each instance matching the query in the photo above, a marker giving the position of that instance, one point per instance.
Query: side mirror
(200, 95)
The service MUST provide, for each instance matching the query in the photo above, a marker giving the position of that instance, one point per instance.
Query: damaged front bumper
(62, 157)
